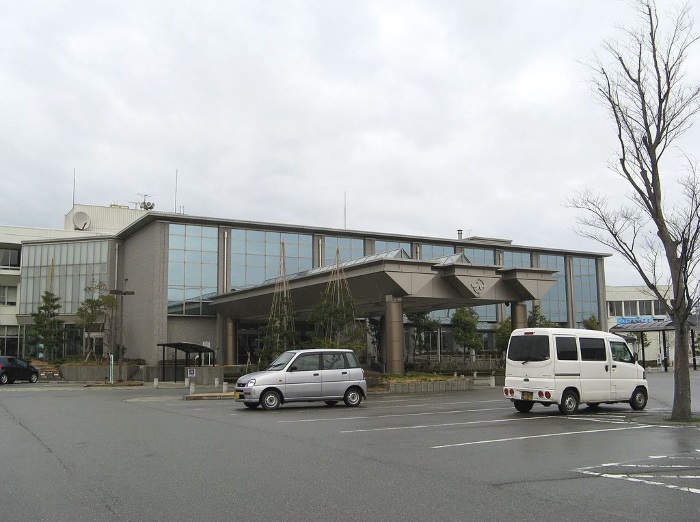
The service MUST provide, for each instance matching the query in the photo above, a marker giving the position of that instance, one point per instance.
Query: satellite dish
(81, 220)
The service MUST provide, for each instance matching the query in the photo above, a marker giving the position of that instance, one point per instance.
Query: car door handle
(316, 374)
(345, 373)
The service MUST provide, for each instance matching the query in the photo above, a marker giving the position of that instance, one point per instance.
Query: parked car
(305, 375)
(14, 369)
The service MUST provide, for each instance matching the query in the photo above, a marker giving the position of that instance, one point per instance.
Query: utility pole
(121, 294)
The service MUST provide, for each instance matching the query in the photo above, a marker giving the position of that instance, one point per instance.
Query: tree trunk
(681, 373)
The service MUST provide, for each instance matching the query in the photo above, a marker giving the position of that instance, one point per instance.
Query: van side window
(566, 348)
(592, 349)
(307, 363)
(620, 352)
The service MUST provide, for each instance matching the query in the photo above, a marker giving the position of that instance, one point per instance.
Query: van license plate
(527, 396)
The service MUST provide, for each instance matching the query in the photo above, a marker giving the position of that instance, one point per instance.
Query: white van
(568, 367)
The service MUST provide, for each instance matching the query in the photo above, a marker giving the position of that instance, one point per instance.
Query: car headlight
(250, 382)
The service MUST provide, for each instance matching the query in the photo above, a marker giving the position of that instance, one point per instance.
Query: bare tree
(644, 89)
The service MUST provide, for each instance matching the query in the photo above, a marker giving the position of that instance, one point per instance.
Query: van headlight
(250, 382)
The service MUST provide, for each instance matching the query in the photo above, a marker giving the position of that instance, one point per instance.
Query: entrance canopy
(422, 286)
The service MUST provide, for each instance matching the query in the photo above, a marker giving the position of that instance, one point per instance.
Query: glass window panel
(209, 274)
(193, 275)
(255, 236)
(210, 232)
(177, 230)
(193, 257)
(177, 242)
(210, 245)
(210, 258)
(193, 243)
(176, 256)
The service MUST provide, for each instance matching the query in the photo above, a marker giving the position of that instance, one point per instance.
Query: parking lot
(142, 453)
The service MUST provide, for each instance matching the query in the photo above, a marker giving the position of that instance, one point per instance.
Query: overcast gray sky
(424, 116)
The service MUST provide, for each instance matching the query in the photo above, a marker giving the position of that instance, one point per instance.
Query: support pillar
(230, 341)
(518, 315)
(394, 338)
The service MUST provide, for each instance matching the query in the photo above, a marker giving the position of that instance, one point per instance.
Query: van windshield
(528, 348)
(281, 361)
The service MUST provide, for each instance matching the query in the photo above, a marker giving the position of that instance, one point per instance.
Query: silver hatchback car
(305, 375)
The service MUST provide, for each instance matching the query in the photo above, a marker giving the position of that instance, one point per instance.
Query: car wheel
(353, 397)
(523, 406)
(639, 399)
(569, 403)
(331, 403)
(3, 378)
(251, 405)
(33, 378)
(270, 400)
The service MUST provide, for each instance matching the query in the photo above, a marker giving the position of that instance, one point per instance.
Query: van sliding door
(595, 370)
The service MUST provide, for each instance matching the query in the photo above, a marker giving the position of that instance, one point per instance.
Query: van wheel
(523, 406)
(270, 400)
(639, 399)
(569, 403)
(331, 403)
(353, 397)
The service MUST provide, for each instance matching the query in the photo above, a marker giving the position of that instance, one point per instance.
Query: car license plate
(527, 396)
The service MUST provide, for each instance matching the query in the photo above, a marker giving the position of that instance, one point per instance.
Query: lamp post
(121, 294)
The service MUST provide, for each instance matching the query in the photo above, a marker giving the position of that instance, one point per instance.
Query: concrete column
(394, 338)
(230, 341)
(518, 315)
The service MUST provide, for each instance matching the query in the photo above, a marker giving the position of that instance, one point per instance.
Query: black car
(13, 369)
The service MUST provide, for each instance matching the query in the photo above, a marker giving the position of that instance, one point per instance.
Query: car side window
(620, 352)
(307, 362)
(333, 361)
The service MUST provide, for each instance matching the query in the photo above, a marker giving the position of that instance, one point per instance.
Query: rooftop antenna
(74, 187)
(345, 209)
(145, 204)
(176, 191)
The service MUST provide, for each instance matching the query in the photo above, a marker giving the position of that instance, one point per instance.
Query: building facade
(176, 265)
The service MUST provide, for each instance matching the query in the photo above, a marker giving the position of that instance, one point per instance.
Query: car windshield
(281, 361)
(528, 348)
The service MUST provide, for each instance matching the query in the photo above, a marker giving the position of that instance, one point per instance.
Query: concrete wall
(194, 329)
(143, 268)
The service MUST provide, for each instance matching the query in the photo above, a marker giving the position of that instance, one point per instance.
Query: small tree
(591, 323)
(502, 334)
(48, 330)
(536, 319)
(95, 314)
(464, 329)
(423, 324)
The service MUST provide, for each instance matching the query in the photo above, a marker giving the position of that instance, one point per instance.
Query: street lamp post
(121, 294)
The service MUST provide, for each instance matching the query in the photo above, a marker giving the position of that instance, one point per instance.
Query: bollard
(192, 389)
(155, 383)
(216, 382)
(493, 381)
(187, 382)
(225, 389)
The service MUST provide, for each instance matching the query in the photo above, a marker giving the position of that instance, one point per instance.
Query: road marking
(357, 417)
(544, 435)
(419, 426)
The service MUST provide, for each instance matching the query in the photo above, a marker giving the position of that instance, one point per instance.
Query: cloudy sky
(416, 117)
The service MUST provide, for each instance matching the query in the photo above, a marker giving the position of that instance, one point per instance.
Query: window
(430, 252)
(334, 361)
(566, 348)
(8, 295)
(554, 304)
(615, 309)
(480, 256)
(658, 308)
(516, 259)
(349, 248)
(645, 307)
(620, 352)
(528, 348)
(629, 308)
(592, 349)
(9, 258)
(306, 363)
(386, 246)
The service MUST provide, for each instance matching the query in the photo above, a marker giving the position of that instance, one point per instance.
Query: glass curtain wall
(192, 268)
(386, 246)
(585, 289)
(554, 304)
(429, 252)
(256, 255)
(349, 247)
(63, 268)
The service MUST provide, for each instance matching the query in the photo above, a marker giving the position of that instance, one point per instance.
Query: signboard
(191, 372)
(631, 320)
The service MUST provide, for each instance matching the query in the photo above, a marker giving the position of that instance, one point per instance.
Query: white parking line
(330, 419)
(544, 435)
(419, 426)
